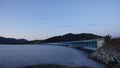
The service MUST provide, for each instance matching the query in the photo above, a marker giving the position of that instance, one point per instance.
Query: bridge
(92, 44)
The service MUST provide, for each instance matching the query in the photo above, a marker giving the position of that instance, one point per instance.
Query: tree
(107, 38)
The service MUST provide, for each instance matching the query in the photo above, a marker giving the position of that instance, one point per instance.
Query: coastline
(108, 55)
(53, 66)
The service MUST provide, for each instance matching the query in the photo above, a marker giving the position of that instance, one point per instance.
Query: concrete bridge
(92, 44)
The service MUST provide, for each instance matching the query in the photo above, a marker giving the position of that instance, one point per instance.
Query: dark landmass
(72, 37)
(63, 38)
(53, 66)
(35, 42)
(4, 40)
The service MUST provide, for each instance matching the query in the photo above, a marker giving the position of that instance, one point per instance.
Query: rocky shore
(107, 54)
(53, 66)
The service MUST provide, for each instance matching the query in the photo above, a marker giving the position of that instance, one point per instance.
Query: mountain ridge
(4, 40)
(60, 38)
(72, 37)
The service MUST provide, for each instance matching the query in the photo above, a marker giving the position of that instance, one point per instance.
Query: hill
(72, 37)
(4, 40)
(62, 38)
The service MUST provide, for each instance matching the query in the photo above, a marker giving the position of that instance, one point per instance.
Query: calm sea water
(21, 55)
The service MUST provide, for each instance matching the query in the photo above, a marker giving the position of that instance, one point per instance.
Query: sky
(41, 19)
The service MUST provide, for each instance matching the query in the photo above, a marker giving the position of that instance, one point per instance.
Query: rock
(107, 54)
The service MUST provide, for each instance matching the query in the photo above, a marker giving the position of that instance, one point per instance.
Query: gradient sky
(40, 19)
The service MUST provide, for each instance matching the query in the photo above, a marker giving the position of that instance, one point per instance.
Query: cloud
(66, 26)
(92, 24)
(99, 24)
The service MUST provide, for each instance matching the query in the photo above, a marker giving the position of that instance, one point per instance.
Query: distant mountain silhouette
(72, 37)
(4, 40)
(63, 38)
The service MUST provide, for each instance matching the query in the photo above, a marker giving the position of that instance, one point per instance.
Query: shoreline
(53, 66)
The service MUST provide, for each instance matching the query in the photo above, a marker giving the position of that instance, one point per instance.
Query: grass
(53, 66)
(114, 42)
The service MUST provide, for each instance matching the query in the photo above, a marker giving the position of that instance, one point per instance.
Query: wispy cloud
(92, 24)
(100, 24)
(66, 26)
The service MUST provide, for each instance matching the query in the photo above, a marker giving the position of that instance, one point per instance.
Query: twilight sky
(40, 19)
